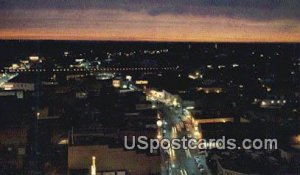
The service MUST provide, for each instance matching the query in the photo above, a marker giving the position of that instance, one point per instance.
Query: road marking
(185, 173)
(188, 153)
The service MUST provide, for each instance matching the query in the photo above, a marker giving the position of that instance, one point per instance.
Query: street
(181, 161)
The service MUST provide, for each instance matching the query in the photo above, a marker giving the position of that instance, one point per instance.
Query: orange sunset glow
(140, 25)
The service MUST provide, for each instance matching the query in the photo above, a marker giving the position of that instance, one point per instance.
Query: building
(13, 143)
(18, 86)
(112, 160)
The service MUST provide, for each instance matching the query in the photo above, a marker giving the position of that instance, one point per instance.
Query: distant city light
(63, 142)
(190, 107)
(235, 65)
(141, 82)
(116, 83)
(34, 58)
(128, 77)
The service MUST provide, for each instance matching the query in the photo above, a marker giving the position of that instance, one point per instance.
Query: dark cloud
(246, 9)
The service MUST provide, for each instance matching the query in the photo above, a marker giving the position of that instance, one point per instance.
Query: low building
(251, 161)
(112, 160)
(13, 143)
(18, 86)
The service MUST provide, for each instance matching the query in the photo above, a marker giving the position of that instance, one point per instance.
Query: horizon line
(155, 41)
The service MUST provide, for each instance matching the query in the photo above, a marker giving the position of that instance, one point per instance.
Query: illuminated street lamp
(159, 123)
(159, 136)
(93, 167)
(38, 115)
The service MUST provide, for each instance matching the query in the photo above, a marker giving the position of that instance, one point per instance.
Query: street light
(93, 167)
(158, 116)
(159, 123)
(38, 115)
(159, 136)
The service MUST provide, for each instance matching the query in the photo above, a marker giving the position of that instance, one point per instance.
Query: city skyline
(149, 87)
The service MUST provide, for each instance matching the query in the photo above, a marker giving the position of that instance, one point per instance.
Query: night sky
(152, 20)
